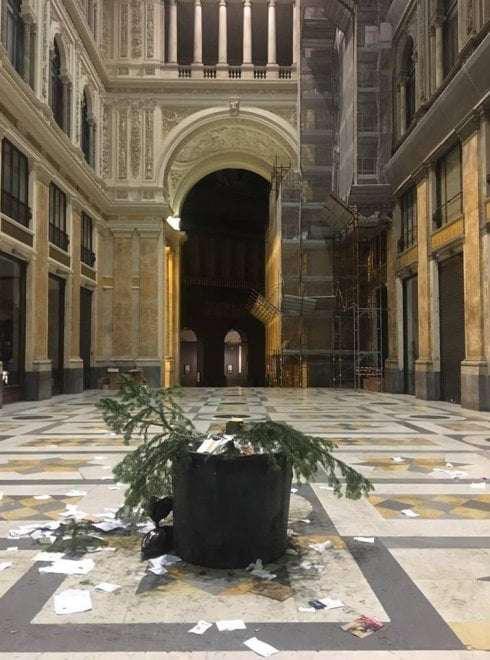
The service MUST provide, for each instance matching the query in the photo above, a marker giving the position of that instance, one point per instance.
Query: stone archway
(221, 138)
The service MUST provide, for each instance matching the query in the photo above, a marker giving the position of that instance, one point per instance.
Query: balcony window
(57, 218)
(449, 187)
(87, 254)
(408, 205)
(86, 130)
(450, 35)
(13, 34)
(15, 184)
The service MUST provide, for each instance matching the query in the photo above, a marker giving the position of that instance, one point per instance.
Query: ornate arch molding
(214, 139)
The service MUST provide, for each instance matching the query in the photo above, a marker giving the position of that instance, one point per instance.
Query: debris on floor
(261, 648)
(258, 570)
(410, 513)
(4, 565)
(363, 626)
(230, 624)
(107, 587)
(72, 601)
(200, 628)
(364, 539)
(69, 567)
(320, 547)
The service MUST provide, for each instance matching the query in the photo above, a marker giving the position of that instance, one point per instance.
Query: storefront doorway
(12, 326)
(56, 331)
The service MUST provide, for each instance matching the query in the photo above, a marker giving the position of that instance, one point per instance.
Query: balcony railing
(230, 72)
(449, 211)
(15, 209)
(87, 256)
(58, 237)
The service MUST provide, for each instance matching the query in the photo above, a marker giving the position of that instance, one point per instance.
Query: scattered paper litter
(69, 567)
(327, 488)
(42, 497)
(306, 609)
(482, 485)
(1, 496)
(363, 626)
(107, 587)
(156, 567)
(410, 513)
(76, 493)
(261, 648)
(13, 548)
(48, 556)
(230, 624)
(110, 525)
(114, 488)
(259, 571)
(72, 601)
(306, 521)
(4, 565)
(320, 547)
(398, 459)
(364, 539)
(200, 627)
(331, 603)
(294, 490)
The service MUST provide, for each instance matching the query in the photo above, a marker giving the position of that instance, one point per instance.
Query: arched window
(409, 74)
(450, 35)
(57, 87)
(86, 129)
(13, 34)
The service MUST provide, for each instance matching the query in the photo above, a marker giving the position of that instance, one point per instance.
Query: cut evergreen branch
(166, 439)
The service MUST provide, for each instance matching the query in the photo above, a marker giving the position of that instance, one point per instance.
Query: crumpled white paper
(72, 601)
(259, 571)
(4, 565)
(230, 624)
(261, 648)
(320, 547)
(200, 628)
(69, 567)
(107, 587)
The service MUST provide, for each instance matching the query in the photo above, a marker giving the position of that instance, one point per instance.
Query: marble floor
(425, 575)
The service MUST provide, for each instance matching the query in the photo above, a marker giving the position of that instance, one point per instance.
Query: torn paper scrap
(320, 547)
(410, 513)
(230, 624)
(42, 497)
(72, 601)
(76, 493)
(156, 567)
(69, 567)
(331, 603)
(364, 539)
(306, 521)
(294, 490)
(397, 459)
(4, 565)
(327, 488)
(13, 548)
(363, 626)
(48, 556)
(110, 525)
(200, 628)
(261, 648)
(107, 587)
(306, 609)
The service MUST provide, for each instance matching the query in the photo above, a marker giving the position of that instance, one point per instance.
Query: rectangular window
(13, 34)
(57, 218)
(87, 253)
(15, 184)
(451, 45)
(408, 205)
(449, 187)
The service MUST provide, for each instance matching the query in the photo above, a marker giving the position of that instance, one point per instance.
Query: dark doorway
(190, 359)
(12, 326)
(56, 331)
(225, 217)
(86, 334)
(410, 332)
(452, 330)
(236, 358)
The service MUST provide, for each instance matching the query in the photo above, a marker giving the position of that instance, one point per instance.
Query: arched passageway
(225, 218)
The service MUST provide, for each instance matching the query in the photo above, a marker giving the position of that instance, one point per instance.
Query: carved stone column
(38, 366)
(73, 372)
(296, 32)
(122, 295)
(197, 32)
(222, 68)
(172, 33)
(439, 41)
(271, 34)
(247, 32)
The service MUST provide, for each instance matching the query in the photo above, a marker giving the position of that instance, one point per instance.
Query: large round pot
(229, 512)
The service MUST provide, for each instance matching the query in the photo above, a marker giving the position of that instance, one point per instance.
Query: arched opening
(225, 218)
(13, 35)
(60, 90)
(236, 358)
(86, 128)
(408, 72)
(190, 358)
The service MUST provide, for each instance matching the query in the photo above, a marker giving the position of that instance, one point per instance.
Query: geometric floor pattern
(425, 576)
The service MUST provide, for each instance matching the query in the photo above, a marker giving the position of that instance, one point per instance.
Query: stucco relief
(136, 29)
(135, 143)
(150, 28)
(149, 147)
(123, 30)
(238, 141)
(106, 165)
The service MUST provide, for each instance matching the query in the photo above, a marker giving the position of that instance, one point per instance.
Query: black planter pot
(229, 512)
